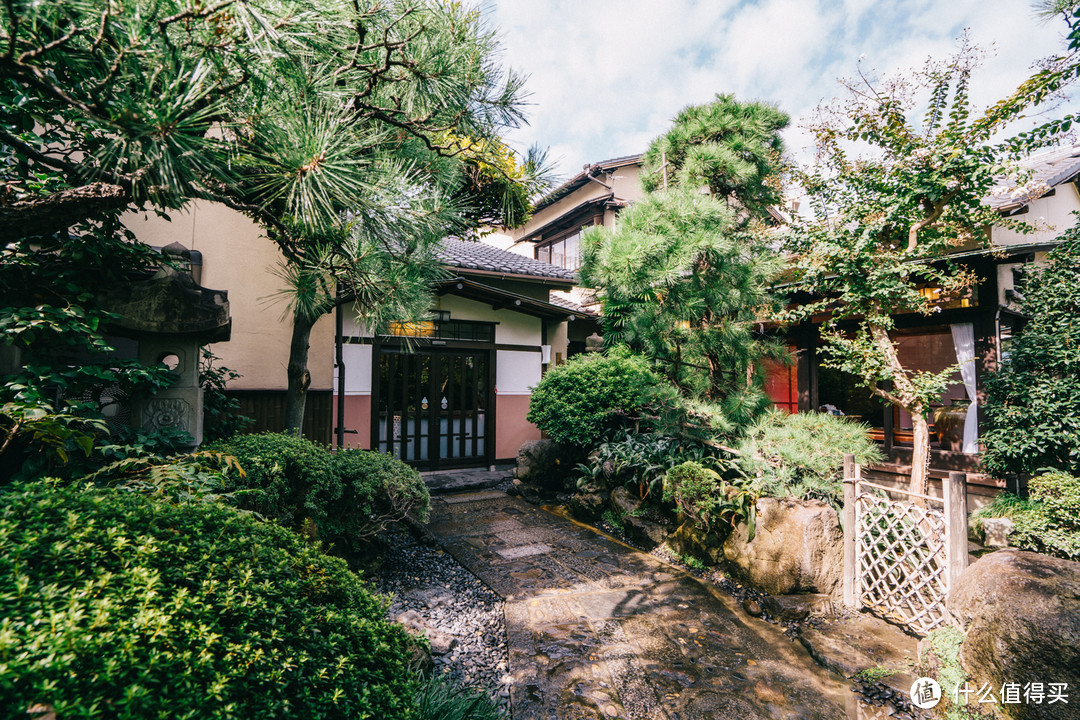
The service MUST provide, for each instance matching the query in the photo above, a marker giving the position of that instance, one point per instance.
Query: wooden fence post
(850, 566)
(954, 492)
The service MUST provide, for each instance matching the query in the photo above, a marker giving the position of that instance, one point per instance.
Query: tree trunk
(920, 454)
(905, 396)
(299, 377)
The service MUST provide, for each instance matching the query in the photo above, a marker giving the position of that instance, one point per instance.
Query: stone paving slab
(598, 630)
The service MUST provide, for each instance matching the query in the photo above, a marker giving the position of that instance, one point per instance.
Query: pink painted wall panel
(512, 429)
(358, 418)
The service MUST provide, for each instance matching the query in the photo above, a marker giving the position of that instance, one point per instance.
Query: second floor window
(564, 252)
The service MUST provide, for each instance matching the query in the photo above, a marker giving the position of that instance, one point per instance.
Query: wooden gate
(903, 551)
(432, 407)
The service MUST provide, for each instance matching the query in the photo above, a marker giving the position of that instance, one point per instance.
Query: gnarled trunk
(298, 374)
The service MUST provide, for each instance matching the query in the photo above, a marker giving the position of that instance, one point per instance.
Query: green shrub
(287, 479)
(1048, 521)
(376, 490)
(118, 606)
(1059, 494)
(639, 461)
(703, 497)
(1033, 401)
(577, 403)
(802, 455)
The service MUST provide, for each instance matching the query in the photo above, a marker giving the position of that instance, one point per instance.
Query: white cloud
(607, 77)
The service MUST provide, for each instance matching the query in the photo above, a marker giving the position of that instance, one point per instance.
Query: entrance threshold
(441, 482)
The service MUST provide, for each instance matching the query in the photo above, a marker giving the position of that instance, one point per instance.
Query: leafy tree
(886, 219)
(355, 134)
(681, 277)
(1033, 401)
(358, 163)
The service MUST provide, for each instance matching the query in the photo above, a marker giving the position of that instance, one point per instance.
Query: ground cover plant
(1048, 521)
(184, 611)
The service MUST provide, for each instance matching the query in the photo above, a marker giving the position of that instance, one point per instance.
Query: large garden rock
(691, 540)
(538, 463)
(623, 502)
(588, 506)
(643, 531)
(1021, 611)
(798, 547)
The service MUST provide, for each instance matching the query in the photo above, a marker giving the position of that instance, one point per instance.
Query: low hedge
(114, 605)
(350, 496)
(288, 479)
(377, 489)
(577, 403)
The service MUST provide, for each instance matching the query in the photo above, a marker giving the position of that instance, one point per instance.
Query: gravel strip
(451, 600)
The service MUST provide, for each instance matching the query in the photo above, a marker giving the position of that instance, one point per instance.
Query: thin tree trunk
(298, 374)
(904, 395)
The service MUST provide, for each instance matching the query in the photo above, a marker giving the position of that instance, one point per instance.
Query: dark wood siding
(267, 408)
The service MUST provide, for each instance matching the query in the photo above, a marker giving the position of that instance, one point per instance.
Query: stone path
(597, 629)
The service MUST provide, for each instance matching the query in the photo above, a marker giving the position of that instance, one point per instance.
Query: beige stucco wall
(239, 259)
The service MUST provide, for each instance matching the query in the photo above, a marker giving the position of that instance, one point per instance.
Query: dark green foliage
(700, 495)
(1033, 401)
(682, 286)
(288, 479)
(53, 406)
(377, 489)
(577, 403)
(802, 455)
(202, 476)
(347, 498)
(1049, 521)
(117, 606)
(732, 148)
(640, 460)
(220, 417)
(439, 699)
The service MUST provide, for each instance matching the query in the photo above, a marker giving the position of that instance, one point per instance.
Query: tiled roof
(583, 177)
(562, 302)
(1048, 170)
(471, 255)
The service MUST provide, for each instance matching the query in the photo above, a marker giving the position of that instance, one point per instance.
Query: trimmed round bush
(113, 605)
(288, 479)
(576, 403)
(376, 490)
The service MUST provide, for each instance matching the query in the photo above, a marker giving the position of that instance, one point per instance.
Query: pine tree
(682, 276)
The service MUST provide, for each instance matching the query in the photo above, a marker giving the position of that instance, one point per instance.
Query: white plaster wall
(357, 359)
(626, 183)
(1049, 216)
(516, 372)
(514, 328)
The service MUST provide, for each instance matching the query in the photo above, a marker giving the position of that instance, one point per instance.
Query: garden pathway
(597, 629)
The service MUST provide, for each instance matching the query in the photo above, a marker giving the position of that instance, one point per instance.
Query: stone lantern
(171, 316)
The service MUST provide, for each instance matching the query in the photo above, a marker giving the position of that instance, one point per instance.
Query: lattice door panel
(901, 561)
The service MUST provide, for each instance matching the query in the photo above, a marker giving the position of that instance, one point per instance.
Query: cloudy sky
(607, 76)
